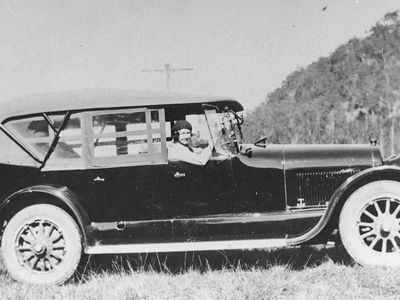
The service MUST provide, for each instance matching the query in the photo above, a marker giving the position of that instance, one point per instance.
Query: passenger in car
(181, 150)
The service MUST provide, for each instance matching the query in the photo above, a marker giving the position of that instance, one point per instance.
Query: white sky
(238, 48)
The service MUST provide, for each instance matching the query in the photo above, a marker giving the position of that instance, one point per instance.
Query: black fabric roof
(75, 100)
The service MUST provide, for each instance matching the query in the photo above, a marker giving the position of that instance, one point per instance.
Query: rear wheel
(41, 245)
(369, 224)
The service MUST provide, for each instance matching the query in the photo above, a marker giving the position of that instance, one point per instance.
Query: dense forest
(349, 97)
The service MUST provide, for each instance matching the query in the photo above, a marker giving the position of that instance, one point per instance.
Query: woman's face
(184, 136)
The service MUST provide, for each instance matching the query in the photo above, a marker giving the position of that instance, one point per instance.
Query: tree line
(350, 96)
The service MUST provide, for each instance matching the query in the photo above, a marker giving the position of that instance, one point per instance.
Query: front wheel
(41, 245)
(369, 224)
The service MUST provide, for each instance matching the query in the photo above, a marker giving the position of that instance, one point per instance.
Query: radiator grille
(316, 188)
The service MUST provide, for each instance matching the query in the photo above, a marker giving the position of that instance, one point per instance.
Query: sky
(238, 48)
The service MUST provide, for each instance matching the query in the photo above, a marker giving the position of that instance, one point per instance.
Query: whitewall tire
(369, 224)
(41, 244)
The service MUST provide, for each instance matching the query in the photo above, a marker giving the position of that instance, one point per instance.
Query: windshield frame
(231, 135)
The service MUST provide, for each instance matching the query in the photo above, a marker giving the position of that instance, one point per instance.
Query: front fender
(62, 194)
(343, 192)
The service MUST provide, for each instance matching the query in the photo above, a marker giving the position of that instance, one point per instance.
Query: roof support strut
(57, 132)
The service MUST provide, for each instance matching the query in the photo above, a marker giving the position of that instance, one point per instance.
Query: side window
(37, 135)
(34, 132)
(70, 143)
(11, 153)
(136, 136)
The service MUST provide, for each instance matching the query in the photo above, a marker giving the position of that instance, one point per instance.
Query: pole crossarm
(167, 70)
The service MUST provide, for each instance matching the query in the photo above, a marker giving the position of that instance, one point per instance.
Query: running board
(186, 246)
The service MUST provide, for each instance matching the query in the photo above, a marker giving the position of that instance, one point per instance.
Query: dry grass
(301, 273)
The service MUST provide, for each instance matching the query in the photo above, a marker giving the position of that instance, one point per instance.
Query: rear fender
(330, 217)
(57, 195)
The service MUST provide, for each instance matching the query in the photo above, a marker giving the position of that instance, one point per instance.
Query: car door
(120, 148)
(186, 190)
(235, 198)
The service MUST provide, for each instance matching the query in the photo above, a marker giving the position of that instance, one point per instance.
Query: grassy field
(297, 273)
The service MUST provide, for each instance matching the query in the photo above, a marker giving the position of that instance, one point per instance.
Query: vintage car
(87, 172)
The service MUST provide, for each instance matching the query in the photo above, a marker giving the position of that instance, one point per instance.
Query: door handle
(179, 175)
(98, 179)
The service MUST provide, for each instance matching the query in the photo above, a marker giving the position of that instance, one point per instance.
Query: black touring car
(87, 172)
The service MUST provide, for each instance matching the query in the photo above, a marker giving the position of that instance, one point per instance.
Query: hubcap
(38, 249)
(379, 225)
(40, 246)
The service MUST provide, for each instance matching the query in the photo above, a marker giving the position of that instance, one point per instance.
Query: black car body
(99, 160)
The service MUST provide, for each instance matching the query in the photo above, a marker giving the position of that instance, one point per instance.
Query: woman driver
(181, 150)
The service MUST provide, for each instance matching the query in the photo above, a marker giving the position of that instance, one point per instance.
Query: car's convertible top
(86, 99)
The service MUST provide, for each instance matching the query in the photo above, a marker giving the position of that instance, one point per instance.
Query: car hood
(309, 156)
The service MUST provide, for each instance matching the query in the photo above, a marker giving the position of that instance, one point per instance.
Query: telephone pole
(167, 70)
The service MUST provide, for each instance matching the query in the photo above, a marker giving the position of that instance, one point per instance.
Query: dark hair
(175, 136)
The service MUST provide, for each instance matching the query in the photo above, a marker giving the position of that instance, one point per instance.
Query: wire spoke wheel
(369, 224)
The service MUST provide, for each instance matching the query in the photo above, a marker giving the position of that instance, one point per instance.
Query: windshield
(220, 129)
(225, 129)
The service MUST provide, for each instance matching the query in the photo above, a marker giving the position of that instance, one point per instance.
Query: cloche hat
(181, 124)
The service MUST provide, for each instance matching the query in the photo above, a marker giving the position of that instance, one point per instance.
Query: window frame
(150, 158)
(87, 135)
(28, 142)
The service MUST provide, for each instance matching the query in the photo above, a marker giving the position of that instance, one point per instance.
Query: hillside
(349, 97)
